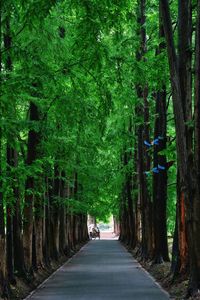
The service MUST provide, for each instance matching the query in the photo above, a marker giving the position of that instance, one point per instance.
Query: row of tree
(92, 123)
(46, 151)
(143, 215)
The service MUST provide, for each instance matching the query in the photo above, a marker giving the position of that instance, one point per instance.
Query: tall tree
(160, 178)
(32, 154)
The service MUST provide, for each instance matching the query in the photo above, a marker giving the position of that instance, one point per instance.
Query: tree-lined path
(101, 270)
(99, 117)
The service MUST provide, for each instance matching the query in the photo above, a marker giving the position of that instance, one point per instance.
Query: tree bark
(185, 158)
(33, 142)
(116, 225)
(10, 164)
(39, 241)
(19, 264)
(176, 92)
(47, 222)
(9, 220)
(143, 160)
(3, 266)
(39, 223)
(55, 221)
(160, 182)
(194, 283)
(63, 214)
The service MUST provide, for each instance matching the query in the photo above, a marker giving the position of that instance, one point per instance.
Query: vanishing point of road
(101, 270)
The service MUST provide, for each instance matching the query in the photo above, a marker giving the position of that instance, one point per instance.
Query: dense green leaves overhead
(76, 60)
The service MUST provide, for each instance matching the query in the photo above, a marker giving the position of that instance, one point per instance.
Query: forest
(100, 115)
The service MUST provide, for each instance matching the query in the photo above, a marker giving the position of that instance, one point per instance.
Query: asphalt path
(101, 270)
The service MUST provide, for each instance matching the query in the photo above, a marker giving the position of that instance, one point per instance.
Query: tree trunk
(3, 265)
(33, 142)
(124, 217)
(185, 159)
(39, 241)
(148, 208)
(9, 220)
(15, 256)
(39, 223)
(160, 179)
(19, 264)
(194, 285)
(10, 163)
(176, 92)
(183, 248)
(116, 226)
(55, 221)
(175, 249)
(131, 218)
(185, 74)
(63, 223)
(47, 222)
(160, 182)
(180, 261)
(143, 160)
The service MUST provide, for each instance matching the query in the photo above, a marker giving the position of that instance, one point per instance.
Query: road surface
(101, 270)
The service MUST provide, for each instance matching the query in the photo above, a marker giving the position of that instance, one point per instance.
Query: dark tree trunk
(185, 75)
(143, 161)
(130, 186)
(9, 221)
(142, 192)
(194, 285)
(175, 249)
(33, 142)
(128, 231)
(160, 179)
(185, 159)
(19, 264)
(160, 182)
(180, 261)
(10, 164)
(34, 254)
(3, 266)
(70, 232)
(75, 217)
(185, 65)
(39, 240)
(176, 91)
(125, 234)
(197, 94)
(84, 228)
(15, 256)
(181, 268)
(63, 214)
(39, 223)
(138, 222)
(55, 221)
(47, 222)
(148, 208)
(131, 218)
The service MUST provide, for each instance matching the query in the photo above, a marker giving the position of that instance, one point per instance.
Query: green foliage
(76, 61)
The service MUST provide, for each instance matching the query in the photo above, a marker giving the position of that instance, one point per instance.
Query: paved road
(102, 270)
